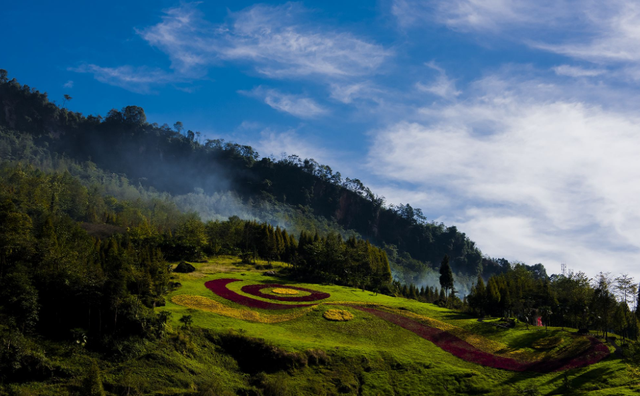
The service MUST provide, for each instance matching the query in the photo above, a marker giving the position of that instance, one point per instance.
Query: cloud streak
(443, 86)
(135, 79)
(480, 15)
(275, 40)
(595, 31)
(574, 71)
(296, 105)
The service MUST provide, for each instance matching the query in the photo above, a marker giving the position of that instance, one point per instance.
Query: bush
(184, 268)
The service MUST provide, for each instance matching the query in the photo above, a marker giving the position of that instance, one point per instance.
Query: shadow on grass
(456, 315)
(525, 340)
(590, 376)
(558, 381)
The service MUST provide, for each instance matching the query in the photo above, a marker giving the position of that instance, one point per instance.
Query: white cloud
(295, 105)
(480, 15)
(133, 79)
(274, 39)
(596, 31)
(346, 93)
(68, 84)
(275, 143)
(443, 86)
(365, 91)
(614, 34)
(574, 71)
(536, 175)
(247, 125)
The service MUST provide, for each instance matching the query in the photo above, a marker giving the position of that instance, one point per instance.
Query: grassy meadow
(370, 356)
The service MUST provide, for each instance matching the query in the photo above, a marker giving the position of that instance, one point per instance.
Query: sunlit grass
(426, 368)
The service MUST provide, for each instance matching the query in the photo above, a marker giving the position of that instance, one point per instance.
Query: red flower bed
(462, 349)
(256, 290)
(219, 287)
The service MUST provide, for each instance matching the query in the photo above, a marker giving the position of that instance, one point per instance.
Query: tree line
(574, 300)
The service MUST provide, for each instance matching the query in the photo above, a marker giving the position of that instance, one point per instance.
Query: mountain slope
(156, 156)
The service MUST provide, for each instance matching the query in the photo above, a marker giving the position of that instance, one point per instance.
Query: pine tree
(479, 296)
(446, 276)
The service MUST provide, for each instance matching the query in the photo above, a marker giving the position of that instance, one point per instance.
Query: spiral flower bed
(256, 290)
(462, 349)
(219, 287)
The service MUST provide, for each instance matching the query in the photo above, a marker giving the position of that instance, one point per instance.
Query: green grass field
(370, 356)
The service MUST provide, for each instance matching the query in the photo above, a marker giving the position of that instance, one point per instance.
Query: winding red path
(465, 351)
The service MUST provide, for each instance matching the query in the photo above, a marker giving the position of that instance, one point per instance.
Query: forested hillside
(182, 163)
(136, 259)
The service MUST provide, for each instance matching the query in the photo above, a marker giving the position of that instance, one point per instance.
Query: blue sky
(515, 120)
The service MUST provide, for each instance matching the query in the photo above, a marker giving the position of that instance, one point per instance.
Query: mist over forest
(218, 179)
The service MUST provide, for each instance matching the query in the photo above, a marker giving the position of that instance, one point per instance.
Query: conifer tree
(446, 276)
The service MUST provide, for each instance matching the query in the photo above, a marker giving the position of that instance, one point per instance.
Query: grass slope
(383, 358)
(310, 355)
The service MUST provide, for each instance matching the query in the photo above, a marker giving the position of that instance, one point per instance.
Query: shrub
(184, 268)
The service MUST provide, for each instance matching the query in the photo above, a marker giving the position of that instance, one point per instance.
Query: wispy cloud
(296, 105)
(276, 40)
(614, 34)
(443, 86)
(591, 30)
(68, 84)
(480, 15)
(361, 91)
(574, 71)
(135, 79)
(277, 144)
(533, 171)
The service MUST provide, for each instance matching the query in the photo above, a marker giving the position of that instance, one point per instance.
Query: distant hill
(181, 163)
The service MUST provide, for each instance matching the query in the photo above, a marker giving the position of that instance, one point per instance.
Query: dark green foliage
(20, 300)
(352, 262)
(186, 321)
(570, 300)
(55, 277)
(92, 382)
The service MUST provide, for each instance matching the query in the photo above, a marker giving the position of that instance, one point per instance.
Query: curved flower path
(443, 339)
(465, 351)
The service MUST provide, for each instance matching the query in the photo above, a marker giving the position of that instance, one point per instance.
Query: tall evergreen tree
(446, 276)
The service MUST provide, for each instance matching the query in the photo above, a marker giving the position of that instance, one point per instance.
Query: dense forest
(75, 262)
(571, 299)
(179, 162)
